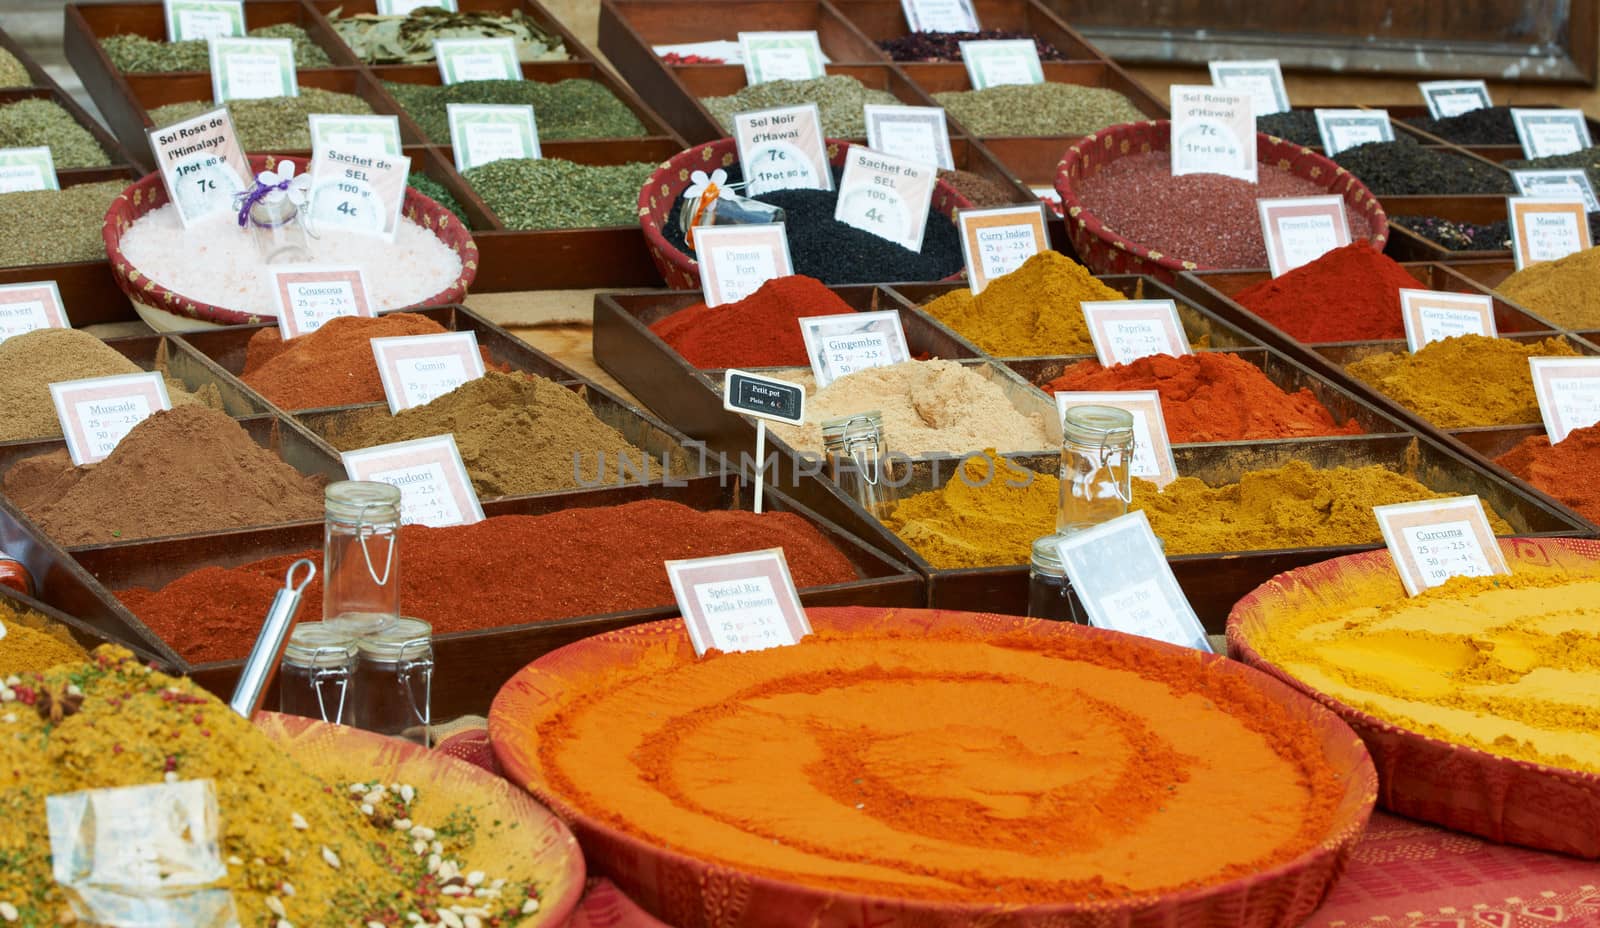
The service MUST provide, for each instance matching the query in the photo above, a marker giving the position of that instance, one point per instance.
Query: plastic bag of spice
(710, 201)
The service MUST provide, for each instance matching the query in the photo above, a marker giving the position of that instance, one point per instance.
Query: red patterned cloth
(1402, 875)
(1405, 874)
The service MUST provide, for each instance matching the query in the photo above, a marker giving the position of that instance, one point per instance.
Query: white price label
(940, 15)
(999, 240)
(1452, 98)
(356, 192)
(30, 306)
(24, 169)
(850, 342)
(1545, 133)
(781, 56)
(1262, 80)
(782, 149)
(738, 602)
(405, 7)
(252, 69)
(1123, 331)
(915, 133)
(1213, 132)
(483, 133)
(435, 488)
(1546, 229)
(309, 297)
(417, 369)
(736, 260)
(98, 412)
(1569, 394)
(201, 163)
(1299, 230)
(1121, 576)
(479, 59)
(997, 62)
(1434, 540)
(886, 196)
(379, 135)
(1342, 129)
(203, 19)
(1432, 315)
(1557, 185)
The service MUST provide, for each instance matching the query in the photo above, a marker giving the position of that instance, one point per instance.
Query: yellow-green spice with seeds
(13, 73)
(1038, 109)
(839, 99)
(33, 122)
(55, 226)
(270, 123)
(549, 193)
(576, 108)
(136, 54)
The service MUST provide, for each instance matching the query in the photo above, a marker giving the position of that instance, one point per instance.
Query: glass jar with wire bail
(361, 555)
(1096, 466)
(315, 679)
(394, 681)
(858, 460)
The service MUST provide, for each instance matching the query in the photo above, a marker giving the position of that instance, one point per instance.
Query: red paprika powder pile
(1211, 396)
(1350, 294)
(757, 331)
(332, 366)
(502, 571)
(1564, 470)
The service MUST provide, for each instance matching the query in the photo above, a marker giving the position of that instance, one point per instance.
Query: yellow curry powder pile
(1462, 382)
(1034, 310)
(991, 515)
(1562, 291)
(1507, 665)
(33, 643)
(298, 849)
(943, 765)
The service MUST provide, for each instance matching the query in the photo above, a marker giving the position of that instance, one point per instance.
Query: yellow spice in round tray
(1508, 665)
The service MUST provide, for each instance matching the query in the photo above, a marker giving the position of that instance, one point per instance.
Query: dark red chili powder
(1350, 294)
(502, 571)
(758, 331)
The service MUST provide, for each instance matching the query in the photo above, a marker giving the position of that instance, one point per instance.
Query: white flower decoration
(699, 183)
(298, 190)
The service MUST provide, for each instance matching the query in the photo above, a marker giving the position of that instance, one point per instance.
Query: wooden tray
(88, 289)
(576, 50)
(650, 23)
(694, 122)
(1406, 245)
(1214, 582)
(472, 665)
(940, 78)
(87, 636)
(879, 20)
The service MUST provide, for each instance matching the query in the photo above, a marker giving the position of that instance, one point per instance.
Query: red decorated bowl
(693, 893)
(167, 310)
(1455, 786)
(1104, 251)
(670, 180)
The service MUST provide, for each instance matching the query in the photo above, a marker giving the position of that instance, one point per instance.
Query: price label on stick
(309, 296)
(763, 398)
(998, 240)
(782, 149)
(1569, 394)
(96, 413)
(203, 19)
(736, 260)
(1262, 80)
(1123, 331)
(915, 133)
(1557, 185)
(738, 602)
(379, 135)
(1452, 98)
(435, 489)
(1299, 230)
(1546, 229)
(417, 369)
(940, 15)
(361, 193)
(1152, 449)
(462, 60)
(1545, 133)
(201, 163)
(850, 342)
(25, 307)
(252, 69)
(404, 7)
(996, 62)
(1342, 129)
(1213, 132)
(27, 169)
(1434, 315)
(1122, 578)
(484, 132)
(780, 56)
(1436, 539)
(886, 196)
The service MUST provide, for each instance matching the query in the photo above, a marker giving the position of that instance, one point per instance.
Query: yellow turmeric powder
(1034, 310)
(1561, 291)
(1462, 382)
(1507, 665)
(32, 642)
(977, 520)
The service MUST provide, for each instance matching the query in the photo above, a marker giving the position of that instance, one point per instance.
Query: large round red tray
(1501, 798)
(690, 893)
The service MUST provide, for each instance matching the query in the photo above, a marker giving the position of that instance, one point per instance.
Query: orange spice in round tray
(941, 764)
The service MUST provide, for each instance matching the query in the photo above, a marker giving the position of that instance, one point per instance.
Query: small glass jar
(361, 555)
(858, 460)
(1050, 594)
(14, 574)
(314, 680)
(394, 681)
(280, 232)
(1096, 467)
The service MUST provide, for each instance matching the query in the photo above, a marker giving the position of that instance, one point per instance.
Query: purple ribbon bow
(256, 193)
